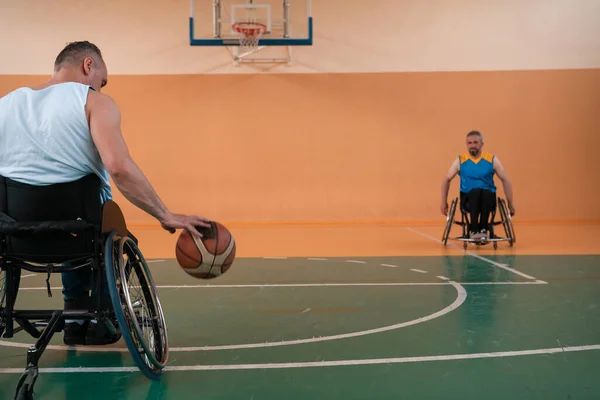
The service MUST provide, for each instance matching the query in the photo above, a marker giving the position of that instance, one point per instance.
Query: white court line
(460, 299)
(29, 275)
(274, 285)
(279, 285)
(154, 261)
(418, 270)
(507, 283)
(118, 349)
(317, 259)
(389, 265)
(497, 283)
(356, 261)
(318, 364)
(494, 263)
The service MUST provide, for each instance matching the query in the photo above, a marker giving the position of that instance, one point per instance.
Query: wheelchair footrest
(47, 314)
(91, 334)
(480, 240)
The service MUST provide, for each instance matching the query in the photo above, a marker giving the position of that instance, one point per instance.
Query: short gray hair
(476, 133)
(75, 52)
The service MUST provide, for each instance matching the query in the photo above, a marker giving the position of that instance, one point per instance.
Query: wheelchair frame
(112, 244)
(506, 222)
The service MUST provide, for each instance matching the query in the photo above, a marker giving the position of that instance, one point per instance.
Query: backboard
(287, 23)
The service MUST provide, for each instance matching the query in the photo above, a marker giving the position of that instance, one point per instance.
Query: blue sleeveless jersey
(476, 173)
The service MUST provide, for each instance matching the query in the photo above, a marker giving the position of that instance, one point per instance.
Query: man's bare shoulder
(101, 104)
(100, 99)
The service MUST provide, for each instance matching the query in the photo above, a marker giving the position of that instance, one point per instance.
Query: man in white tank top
(66, 128)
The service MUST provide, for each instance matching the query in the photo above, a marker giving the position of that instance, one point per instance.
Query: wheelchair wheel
(136, 305)
(449, 221)
(152, 317)
(3, 299)
(507, 222)
(513, 235)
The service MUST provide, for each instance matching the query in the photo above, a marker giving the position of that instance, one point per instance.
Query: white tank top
(45, 137)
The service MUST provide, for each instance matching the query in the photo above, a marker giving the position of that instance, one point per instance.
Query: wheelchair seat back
(71, 201)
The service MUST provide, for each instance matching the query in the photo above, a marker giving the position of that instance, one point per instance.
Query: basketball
(207, 257)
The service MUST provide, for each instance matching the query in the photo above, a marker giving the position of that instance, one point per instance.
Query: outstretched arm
(105, 128)
(446, 185)
(506, 183)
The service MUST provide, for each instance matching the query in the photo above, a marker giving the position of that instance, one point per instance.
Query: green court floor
(457, 327)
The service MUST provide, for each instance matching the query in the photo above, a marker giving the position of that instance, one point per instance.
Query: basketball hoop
(249, 33)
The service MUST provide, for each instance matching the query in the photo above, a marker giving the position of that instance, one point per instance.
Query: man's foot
(479, 236)
(475, 236)
(90, 333)
(75, 330)
(86, 332)
(75, 333)
(98, 334)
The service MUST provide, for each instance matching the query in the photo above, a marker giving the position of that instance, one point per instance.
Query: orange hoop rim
(249, 28)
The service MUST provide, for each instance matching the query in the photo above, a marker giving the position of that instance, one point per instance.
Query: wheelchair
(100, 243)
(505, 221)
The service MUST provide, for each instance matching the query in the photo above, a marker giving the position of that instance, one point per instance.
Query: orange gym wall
(357, 130)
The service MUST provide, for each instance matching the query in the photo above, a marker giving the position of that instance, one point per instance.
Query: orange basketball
(209, 256)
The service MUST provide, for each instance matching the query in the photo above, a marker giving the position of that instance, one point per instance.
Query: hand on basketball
(187, 222)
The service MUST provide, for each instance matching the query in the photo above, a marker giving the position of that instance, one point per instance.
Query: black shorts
(485, 196)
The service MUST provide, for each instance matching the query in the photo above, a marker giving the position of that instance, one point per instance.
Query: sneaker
(97, 334)
(75, 330)
(483, 235)
(476, 236)
(74, 333)
(86, 332)
(90, 333)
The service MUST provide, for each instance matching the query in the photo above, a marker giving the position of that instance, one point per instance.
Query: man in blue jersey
(477, 189)
(64, 130)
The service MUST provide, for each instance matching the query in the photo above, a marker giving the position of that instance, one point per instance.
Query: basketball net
(249, 34)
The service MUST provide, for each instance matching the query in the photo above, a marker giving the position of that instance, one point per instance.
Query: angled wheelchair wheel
(137, 308)
(513, 235)
(449, 221)
(2, 301)
(148, 318)
(4, 282)
(507, 222)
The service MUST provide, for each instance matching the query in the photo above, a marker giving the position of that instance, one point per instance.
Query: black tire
(507, 222)
(157, 351)
(449, 221)
(138, 347)
(513, 235)
(3, 302)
